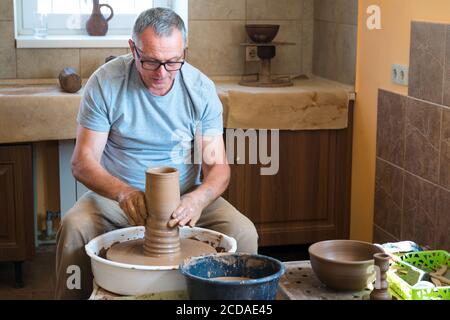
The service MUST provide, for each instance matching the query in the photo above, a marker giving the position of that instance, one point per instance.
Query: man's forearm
(215, 182)
(97, 179)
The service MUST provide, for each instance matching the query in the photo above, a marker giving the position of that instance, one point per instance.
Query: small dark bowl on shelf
(262, 33)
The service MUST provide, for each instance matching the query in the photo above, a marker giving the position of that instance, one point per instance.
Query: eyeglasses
(153, 65)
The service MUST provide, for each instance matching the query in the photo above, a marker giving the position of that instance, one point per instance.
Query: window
(57, 23)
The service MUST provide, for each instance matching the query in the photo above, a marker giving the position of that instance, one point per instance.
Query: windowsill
(73, 41)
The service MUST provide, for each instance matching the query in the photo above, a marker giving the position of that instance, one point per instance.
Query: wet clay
(231, 278)
(161, 245)
(132, 252)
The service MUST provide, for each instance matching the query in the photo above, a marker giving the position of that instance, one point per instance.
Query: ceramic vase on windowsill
(97, 25)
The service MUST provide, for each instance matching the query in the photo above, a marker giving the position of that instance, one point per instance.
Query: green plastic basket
(421, 262)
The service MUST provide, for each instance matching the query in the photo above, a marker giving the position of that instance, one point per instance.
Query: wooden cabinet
(16, 205)
(308, 200)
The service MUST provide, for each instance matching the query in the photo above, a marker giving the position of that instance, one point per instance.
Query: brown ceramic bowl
(344, 264)
(262, 33)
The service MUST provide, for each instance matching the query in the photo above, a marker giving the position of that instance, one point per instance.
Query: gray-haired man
(141, 110)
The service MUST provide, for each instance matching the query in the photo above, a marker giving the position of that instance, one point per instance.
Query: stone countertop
(310, 104)
(226, 84)
(37, 109)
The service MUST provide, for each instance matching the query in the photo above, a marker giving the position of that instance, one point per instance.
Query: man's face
(158, 49)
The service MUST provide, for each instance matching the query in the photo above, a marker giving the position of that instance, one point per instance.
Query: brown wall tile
(381, 236)
(443, 221)
(427, 56)
(391, 127)
(388, 198)
(447, 69)
(420, 208)
(444, 172)
(423, 123)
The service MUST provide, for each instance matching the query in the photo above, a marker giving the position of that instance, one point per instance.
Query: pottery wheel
(132, 252)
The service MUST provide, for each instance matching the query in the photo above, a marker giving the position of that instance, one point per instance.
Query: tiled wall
(335, 31)
(216, 28)
(412, 192)
(43, 63)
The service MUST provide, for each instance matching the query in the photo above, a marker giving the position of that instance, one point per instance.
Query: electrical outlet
(251, 53)
(400, 74)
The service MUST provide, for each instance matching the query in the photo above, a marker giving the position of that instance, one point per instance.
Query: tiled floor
(38, 276)
(286, 253)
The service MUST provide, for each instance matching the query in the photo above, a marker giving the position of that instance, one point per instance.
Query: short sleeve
(212, 118)
(93, 113)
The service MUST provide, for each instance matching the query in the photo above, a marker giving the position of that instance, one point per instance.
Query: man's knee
(247, 235)
(241, 229)
(75, 226)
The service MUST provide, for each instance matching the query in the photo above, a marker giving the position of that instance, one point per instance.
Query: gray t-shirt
(147, 130)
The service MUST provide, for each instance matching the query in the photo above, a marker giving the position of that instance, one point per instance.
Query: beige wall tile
(217, 9)
(324, 61)
(6, 35)
(7, 63)
(341, 11)
(335, 51)
(214, 46)
(7, 50)
(288, 58)
(251, 67)
(46, 63)
(274, 9)
(347, 11)
(91, 59)
(6, 10)
(325, 10)
(308, 10)
(307, 40)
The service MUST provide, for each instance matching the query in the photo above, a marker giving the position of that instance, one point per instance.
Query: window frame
(117, 36)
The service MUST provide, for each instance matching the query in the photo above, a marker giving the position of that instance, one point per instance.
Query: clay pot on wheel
(162, 197)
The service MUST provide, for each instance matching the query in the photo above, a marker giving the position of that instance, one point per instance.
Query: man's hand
(132, 202)
(188, 211)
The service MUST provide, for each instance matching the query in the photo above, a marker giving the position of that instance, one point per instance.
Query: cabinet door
(292, 206)
(16, 203)
(308, 199)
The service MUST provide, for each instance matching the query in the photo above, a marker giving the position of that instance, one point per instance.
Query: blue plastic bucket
(264, 273)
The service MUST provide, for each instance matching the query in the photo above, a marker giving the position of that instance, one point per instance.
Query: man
(144, 110)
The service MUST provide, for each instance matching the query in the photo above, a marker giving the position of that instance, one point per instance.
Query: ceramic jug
(97, 25)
